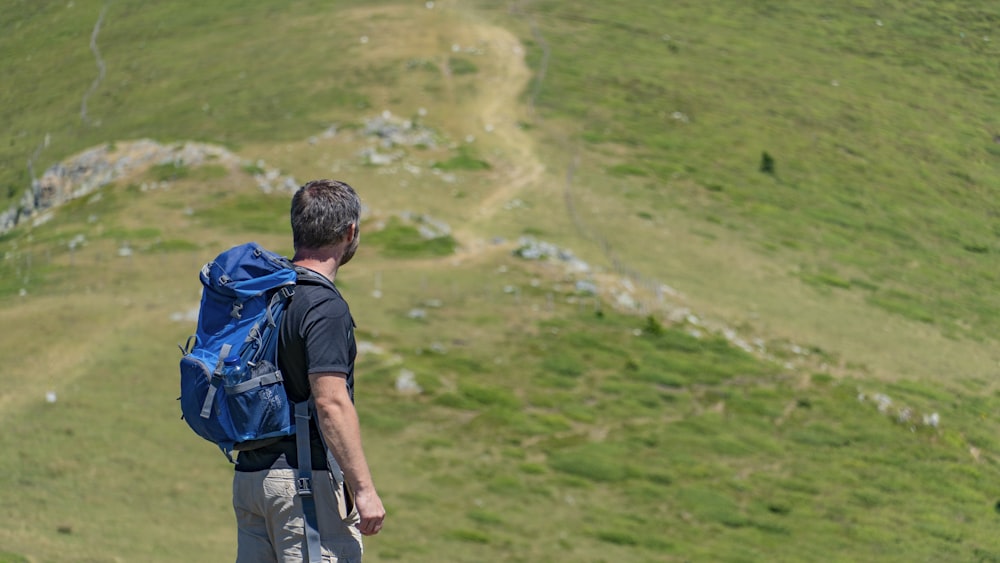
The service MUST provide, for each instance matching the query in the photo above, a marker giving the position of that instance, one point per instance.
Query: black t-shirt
(317, 336)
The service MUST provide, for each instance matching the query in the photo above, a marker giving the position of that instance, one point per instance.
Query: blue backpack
(246, 291)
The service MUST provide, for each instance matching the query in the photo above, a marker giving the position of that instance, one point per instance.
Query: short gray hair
(322, 211)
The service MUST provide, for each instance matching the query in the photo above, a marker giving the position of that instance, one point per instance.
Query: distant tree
(766, 163)
(653, 326)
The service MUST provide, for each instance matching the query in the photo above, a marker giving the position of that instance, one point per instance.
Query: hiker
(316, 354)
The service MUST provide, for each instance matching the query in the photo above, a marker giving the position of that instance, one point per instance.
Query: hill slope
(704, 362)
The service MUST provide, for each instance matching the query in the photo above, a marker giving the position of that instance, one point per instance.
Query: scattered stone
(189, 316)
(77, 241)
(391, 132)
(366, 347)
(586, 287)
(626, 301)
(427, 226)
(406, 383)
(373, 157)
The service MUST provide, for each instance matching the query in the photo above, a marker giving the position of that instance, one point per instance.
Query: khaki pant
(269, 518)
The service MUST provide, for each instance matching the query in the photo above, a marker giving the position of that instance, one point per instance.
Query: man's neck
(322, 262)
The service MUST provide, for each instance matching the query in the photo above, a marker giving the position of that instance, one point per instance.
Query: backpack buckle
(304, 486)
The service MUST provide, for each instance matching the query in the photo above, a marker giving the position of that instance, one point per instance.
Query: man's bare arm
(338, 420)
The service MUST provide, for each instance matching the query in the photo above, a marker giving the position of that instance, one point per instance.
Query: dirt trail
(499, 108)
(500, 105)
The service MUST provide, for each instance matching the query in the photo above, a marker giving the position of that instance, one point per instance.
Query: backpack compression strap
(206, 408)
(313, 551)
(303, 412)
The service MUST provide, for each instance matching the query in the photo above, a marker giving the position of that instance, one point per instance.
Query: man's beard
(349, 253)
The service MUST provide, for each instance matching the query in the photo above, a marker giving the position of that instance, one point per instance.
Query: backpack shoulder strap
(307, 276)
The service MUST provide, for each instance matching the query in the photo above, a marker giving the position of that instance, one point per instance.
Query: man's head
(323, 212)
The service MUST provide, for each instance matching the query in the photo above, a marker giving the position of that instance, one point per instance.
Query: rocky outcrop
(88, 171)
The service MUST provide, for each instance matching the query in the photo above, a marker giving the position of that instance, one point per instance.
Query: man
(316, 355)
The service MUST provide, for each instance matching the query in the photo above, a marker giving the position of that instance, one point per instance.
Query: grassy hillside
(880, 120)
(794, 365)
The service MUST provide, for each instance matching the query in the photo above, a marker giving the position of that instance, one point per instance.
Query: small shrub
(766, 163)
(169, 172)
(472, 536)
(653, 326)
(460, 66)
(464, 160)
(821, 378)
(616, 537)
(253, 169)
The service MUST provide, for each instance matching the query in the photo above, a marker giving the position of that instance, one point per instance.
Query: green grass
(402, 240)
(156, 78)
(459, 66)
(169, 172)
(254, 213)
(867, 178)
(464, 160)
(547, 428)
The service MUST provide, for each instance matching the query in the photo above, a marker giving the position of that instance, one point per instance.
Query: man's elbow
(332, 399)
(332, 404)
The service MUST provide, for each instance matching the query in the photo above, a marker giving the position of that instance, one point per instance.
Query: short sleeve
(328, 334)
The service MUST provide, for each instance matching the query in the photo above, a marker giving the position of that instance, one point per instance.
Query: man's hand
(339, 423)
(371, 511)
